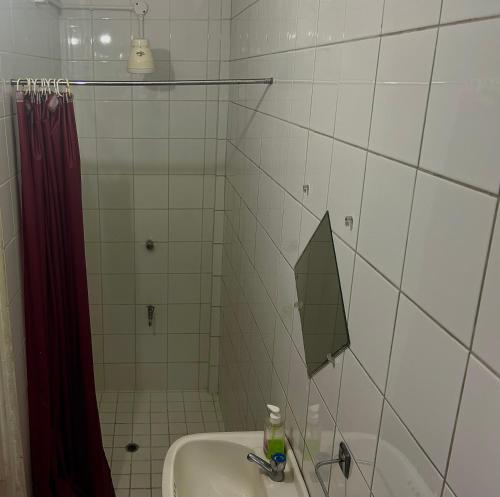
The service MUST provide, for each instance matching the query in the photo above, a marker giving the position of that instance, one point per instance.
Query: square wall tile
(114, 155)
(319, 439)
(346, 185)
(477, 430)
(454, 10)
(119, 376)
(331, 20)
(425, 378)
(184, 288)
(183, 347)
(117, 225)
(450, 229)
(363, 18)
(460, 140)
(187, 119)
(401, 94)
(111, 39)
(118, 289)
(325, 88)
(151, 289)
(183, 318)
(355, 99)
(184, 257)
(317, 177)
(151, 156)
(400, 15)
(114, 119)
(115, 191)
(298, 389)
(385, 215)
(182, 375)
(151, 192)
(487, 337)
(151, 261)
(119, 348)
(152, 224)
(371, 320)
(394, 480)
(187, 156)
(118, 318)
(189, 40)
(327, 379)
(185, 225)
(186, 192)
(360, 408)
(151, 119)
(117, 257)
(151, 376)
(151, 348)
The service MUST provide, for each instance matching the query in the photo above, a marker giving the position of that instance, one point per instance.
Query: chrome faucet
(274, 469)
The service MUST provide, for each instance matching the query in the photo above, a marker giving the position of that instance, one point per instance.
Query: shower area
(153, 198)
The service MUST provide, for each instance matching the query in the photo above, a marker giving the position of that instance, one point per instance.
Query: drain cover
(131, 447)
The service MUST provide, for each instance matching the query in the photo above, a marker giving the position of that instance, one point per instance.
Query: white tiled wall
(29, 45)
(153, 158)
(398, 128)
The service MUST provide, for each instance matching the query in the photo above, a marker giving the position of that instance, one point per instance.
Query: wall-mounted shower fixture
(150, 244)
(305, 189)
(140, 59)
(151, 314)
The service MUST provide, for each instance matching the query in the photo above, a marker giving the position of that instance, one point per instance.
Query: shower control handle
(150, 244)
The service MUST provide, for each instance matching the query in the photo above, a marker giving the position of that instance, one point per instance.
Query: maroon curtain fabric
(67, 456)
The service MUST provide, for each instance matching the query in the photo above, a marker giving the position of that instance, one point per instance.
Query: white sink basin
(215, 465)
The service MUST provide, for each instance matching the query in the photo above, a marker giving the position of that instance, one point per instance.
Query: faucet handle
(278, 462)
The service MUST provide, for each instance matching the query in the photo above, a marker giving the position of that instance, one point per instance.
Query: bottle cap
(274, 414)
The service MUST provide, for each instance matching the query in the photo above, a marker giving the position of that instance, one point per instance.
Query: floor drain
(132, 447)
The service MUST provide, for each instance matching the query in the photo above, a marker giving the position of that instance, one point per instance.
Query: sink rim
(249, 439)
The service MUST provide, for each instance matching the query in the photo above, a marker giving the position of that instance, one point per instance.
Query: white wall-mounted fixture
(140, 59)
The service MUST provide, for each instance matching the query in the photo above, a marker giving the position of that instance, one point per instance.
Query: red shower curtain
(67, 456)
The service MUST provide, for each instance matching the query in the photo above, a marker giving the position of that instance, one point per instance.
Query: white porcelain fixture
(215, 465)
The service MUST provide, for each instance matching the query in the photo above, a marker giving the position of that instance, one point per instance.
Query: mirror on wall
(320, 302)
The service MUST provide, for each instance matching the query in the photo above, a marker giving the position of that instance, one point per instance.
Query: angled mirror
(320, 302)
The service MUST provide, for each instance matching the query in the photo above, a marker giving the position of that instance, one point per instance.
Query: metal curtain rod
(59, 5)
(182, 82)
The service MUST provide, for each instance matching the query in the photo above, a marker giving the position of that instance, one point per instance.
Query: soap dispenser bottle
(274, 433)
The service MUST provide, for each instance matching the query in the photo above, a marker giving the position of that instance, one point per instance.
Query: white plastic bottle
(274, 433)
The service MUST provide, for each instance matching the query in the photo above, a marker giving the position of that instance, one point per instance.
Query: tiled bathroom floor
(153, 420)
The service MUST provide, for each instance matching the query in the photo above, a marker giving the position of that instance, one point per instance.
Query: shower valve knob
(150, 244)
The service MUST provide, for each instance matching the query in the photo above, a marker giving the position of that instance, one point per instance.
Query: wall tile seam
(364, 149)
(249, 6)
(471, 353)
(368, 37)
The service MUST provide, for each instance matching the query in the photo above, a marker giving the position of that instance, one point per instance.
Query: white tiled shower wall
(390, 112)
(29, 44)
(153, 168)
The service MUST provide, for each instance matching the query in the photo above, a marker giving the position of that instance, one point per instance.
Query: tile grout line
(370, 37)
(470, 353)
